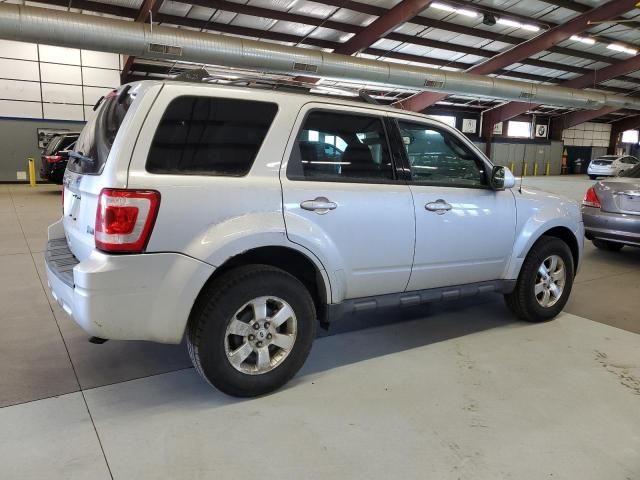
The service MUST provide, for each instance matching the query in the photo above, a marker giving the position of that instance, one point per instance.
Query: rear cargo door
(100, 160)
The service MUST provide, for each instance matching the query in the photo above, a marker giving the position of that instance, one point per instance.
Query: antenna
(524, 150)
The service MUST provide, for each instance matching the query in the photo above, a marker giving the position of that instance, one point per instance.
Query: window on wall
(519, 129)
(630, 136)
(446, 119)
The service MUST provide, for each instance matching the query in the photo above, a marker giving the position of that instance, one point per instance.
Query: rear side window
(210, 136)
(334, 146)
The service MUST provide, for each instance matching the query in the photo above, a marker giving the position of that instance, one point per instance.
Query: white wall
(588, 135)
(53, 83)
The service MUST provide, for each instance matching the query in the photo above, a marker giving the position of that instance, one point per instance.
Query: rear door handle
(320, 205)
(439, 206)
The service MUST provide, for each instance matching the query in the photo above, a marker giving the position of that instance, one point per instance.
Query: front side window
(210, 136)
(334, 146)
(438, 157)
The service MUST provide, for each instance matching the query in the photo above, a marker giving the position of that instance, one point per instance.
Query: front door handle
(439, 206)
(320, 205)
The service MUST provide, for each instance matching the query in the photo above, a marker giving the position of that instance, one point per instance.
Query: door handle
(320, 205)
(439, 206)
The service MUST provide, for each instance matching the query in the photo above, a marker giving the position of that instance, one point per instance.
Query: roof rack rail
(201, 75)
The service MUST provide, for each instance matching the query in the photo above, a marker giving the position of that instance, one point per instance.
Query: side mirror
(502, 178)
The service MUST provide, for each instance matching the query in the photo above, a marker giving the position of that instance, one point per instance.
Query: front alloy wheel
(545, 281)
(550, 281)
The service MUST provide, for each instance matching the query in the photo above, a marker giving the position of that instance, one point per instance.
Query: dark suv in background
(55, 156)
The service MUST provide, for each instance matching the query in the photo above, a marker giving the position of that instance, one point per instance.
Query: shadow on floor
(377, 335)
(395, 331)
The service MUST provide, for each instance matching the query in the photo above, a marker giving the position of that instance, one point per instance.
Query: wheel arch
(298, 264)
(527, 240)
(568, 237)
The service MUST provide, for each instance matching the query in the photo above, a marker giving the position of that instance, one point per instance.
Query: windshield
(633, 173)
(97, 137)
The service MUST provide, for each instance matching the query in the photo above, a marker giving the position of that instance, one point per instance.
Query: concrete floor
(458, 390)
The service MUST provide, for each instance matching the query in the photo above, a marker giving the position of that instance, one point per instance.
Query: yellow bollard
(524, 170)
(535, 169)
(547, 169)
(32, 172)
(512, 166)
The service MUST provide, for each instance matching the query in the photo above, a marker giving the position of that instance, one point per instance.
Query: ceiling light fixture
(587, 40)
(449, 8)
(622, 48)
(514, 24)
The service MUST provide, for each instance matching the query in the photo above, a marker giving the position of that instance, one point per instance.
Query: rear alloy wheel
(260, 335)
(544, 283)
(606, 245)
(251, 330)
(593, 177)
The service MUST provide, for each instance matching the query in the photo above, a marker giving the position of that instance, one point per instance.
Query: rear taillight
(125, 218)
(591, 199)
(53, 158)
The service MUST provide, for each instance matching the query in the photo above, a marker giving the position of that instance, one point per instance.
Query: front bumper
(613, 227)
(125, 297)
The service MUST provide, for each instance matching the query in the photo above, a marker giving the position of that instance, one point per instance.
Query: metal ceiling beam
(379, 11)
(361, 7)
(383, 25)
(283, 37)
(540, 43)
(148, 10)
(314, 21)
(513, 109)
(581, 8)
(73, 30)
(295, 39)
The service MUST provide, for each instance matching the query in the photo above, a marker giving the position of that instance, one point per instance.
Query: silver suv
(244, 218)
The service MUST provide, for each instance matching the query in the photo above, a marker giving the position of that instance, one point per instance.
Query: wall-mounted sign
(46, 134)
(469, 125)
(541, 131)
(497, 129)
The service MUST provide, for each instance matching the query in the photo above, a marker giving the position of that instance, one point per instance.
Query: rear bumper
(614, 227)
(125, 297)
(601, 173)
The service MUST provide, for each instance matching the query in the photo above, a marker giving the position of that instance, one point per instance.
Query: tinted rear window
(210, 136)
(98, 135)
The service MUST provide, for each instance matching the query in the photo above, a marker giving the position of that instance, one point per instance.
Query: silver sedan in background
(611, 211)
(611, 166)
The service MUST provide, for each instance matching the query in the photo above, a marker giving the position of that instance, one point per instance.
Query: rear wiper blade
(80, 157)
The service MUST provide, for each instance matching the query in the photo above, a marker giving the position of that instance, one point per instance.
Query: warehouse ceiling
(449, 34)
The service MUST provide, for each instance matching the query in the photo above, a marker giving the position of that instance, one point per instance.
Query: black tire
(606, 245)
(522, 301)
(593, 177)
(216, 307)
